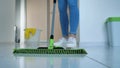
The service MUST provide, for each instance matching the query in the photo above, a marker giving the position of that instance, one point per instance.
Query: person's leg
(74, 16)
(62, 5)
(74, 21)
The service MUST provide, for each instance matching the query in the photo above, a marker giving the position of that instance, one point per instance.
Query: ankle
(72, 35)
(66, 37)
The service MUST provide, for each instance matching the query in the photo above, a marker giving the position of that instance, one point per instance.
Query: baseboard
(93, 44)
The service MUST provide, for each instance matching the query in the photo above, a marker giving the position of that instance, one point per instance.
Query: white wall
(6, 20)
(93, 14)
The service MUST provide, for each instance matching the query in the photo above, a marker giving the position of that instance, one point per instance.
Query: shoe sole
(71, 47)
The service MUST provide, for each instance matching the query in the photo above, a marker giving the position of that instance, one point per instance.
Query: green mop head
(49, 51)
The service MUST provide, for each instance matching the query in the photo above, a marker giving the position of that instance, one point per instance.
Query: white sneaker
(71, 43)
(61, 42)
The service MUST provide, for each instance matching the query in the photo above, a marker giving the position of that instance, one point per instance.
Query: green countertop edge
(112, 19)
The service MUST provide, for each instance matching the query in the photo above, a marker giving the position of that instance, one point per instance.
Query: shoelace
(70, 40)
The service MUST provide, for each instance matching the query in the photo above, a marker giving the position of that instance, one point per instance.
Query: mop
(51, 49)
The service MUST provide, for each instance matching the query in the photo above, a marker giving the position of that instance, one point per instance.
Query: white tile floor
(97, 57)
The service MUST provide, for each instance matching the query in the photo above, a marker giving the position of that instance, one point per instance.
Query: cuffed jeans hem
(64, 35)
(72, 33)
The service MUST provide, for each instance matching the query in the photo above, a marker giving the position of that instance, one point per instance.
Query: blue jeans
(68, 24)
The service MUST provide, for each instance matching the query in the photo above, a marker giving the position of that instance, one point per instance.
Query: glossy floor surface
(97, 57)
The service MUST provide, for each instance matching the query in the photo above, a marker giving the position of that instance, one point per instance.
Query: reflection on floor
(97, 57)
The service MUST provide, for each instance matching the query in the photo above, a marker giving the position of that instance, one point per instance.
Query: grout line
(98, 62)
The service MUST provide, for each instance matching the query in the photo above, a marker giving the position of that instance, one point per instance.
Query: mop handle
(54, 1)
(51, 42)
(53, 17)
